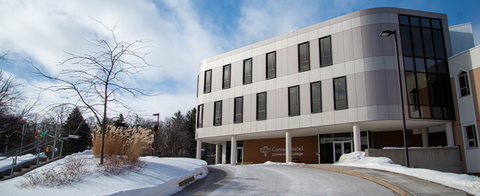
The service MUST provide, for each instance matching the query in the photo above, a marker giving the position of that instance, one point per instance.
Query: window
(200, 116)
(217, 115)
(463, 81)
(293, 101)
(226, 77)
(238, 110)
(303, 57)
(262, 106)
(325, 51)
(340, 93)
(271, 65)
(247, 71)
(315, 97)
(208, 81)
(471, 136)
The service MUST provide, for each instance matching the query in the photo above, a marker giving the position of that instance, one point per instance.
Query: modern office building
(331, 88)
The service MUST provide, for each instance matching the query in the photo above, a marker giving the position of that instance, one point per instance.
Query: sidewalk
(401, 184)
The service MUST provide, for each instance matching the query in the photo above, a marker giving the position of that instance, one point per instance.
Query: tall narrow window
(208, 81)
(315, 97)
(200, 116)
(217, 115)
(262, 106)
(340, 93)
(247, 71)
(271, 65)
(463, 81)
(238, 110)
(325, 51)
(471, 136)
(293, 101)
(303, 57)
(226, 76)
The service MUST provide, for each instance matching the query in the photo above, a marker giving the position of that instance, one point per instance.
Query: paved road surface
(280, 180)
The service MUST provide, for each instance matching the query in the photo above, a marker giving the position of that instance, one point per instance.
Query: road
(280, 180)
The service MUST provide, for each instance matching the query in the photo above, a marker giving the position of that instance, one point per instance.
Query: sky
(180, 34)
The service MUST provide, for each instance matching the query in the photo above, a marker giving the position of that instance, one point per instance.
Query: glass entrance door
(340, 148)
(239, 154)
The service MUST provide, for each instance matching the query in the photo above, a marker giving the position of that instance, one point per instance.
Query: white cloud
(44, 30)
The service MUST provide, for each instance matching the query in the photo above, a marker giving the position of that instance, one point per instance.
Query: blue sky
(182, 34)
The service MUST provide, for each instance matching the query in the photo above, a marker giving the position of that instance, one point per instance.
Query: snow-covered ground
(468, 183)
(159, 176)
(7, 163)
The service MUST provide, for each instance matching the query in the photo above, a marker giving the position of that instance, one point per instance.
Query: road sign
(42, 133)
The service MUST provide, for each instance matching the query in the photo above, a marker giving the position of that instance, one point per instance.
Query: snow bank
(7, 163)
(277, 163)
(468, 183)
(159, 176)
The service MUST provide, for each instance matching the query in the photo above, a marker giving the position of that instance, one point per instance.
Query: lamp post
(387, 33)
(154, 151)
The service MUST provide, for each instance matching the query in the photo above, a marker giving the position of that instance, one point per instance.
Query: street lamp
(154, 151)
(387, 33)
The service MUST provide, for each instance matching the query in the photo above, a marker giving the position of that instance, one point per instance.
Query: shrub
(72, 170)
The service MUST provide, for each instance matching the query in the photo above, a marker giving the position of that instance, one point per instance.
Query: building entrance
(340, 148)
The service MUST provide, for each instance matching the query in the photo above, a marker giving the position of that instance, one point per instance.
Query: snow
(468, 183)
(7, 163)
(277, 163)
(159, 176)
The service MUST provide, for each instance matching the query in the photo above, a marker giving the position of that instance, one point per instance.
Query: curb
(394, 188)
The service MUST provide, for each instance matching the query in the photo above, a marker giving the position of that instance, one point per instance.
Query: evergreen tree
(190, 128)
(120, 122)
(75, 125)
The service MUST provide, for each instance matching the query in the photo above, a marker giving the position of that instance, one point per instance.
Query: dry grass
(122, 148)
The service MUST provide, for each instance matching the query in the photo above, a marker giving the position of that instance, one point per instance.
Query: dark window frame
(227, 82)
(335, 94)
(320, 96)
(307, 61)
(463, 76)
(264, 103)
(274, 65)
(251, 71)
(209, 89)
(469, 139)
(219, 123)
(298, 101)
(321, 51)
(200, 116)
(235, 110)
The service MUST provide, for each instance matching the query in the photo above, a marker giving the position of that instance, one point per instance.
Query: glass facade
(293, 101)
(247, 71)
(262, 106)
(426, 70)
(329, 144)
(340, 93)
(238, 110)
(315, 97)
(303, 57)
(271, 65)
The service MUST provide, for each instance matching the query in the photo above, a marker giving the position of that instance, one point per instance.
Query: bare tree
(99, 79)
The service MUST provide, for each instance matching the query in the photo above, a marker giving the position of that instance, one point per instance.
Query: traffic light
(46, 149)
(36, 132)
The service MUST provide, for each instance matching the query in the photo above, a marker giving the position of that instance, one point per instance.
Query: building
(465, 73)
(330, 88)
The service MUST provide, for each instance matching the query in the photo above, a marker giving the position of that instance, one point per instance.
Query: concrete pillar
(288, 146)
(199, 149)
(224, 152)
(233, 152)
(449, 130)
(425, 137)
(218, 154)
(357, 142)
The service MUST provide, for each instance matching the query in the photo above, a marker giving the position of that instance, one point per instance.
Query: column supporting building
(199, 149)
(425, 137)
(357, 142)
(233, 151)
(218, 154)
(449, 131)
(224, 152)
(288, 146)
